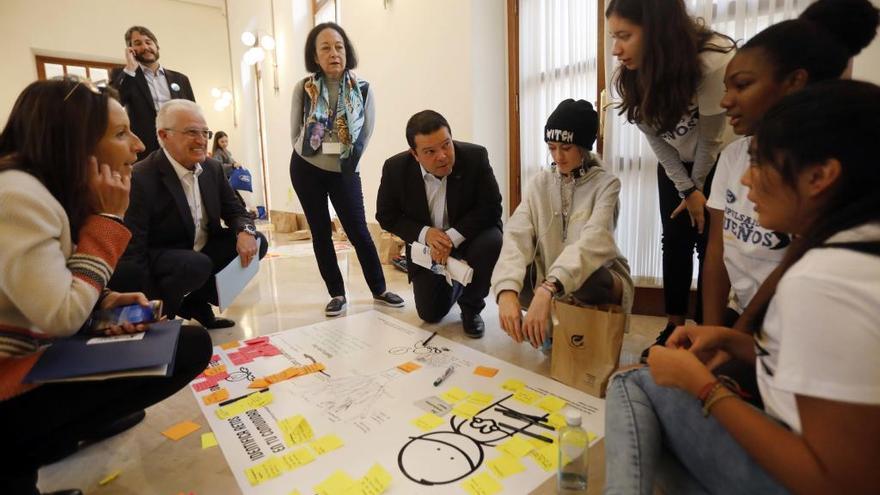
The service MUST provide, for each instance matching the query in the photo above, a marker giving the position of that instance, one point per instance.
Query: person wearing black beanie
(559, 243)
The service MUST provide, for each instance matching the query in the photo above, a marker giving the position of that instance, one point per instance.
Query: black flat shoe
(661, 341)
(473, 325)
(336, 306)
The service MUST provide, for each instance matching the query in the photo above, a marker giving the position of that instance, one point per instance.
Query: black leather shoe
(336, 306)
(473, 325)
(203, 314)
(115, 427)
(74, 491)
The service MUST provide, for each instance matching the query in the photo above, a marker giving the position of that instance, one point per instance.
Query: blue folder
(74, 359)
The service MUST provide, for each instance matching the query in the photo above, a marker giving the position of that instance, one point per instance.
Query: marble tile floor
(287, 293)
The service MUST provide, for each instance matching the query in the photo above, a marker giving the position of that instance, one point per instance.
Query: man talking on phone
(144, 85)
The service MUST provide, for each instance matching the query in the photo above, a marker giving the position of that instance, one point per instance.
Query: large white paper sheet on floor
(364, 398)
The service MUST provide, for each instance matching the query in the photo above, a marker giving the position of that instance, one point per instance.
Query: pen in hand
(445, 375)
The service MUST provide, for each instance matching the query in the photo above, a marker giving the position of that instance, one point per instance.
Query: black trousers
(679, 240)
(47, 423)
(434, 297)
(313, 186)
(176, 274)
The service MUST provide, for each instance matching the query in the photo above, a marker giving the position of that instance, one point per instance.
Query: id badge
(332, 148)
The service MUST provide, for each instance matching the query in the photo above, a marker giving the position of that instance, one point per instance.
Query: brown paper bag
(389, 246)
(586, 345)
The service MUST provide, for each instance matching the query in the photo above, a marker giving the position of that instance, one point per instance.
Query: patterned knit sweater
(48, 285)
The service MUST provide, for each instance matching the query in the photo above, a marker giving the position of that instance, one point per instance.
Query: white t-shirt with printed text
(751, 252)
(821, 335)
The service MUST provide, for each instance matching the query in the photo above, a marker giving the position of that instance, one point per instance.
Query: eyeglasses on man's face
(193, 133)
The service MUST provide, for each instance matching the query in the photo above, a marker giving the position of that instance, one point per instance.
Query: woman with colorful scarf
(332, 117)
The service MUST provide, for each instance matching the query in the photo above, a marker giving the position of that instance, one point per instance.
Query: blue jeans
(658, 434)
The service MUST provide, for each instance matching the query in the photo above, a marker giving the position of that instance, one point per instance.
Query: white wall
(449, 56)
(867, 64)
(192, 40)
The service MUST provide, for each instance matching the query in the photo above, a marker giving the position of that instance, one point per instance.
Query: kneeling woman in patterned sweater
(65, 164)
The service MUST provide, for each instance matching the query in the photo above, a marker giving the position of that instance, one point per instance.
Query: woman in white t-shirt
(814, 174)
(777, 61)
(670, 81)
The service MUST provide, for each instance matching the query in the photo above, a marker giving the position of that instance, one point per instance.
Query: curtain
(628, 154)
(557, 60)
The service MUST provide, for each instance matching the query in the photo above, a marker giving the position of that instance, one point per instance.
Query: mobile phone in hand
(134, 313)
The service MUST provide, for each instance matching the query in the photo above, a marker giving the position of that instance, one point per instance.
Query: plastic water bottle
(574, 448)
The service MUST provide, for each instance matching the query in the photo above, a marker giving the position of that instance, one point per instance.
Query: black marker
(230, 401)
(429, 339)
(527, 433)
(513, 415)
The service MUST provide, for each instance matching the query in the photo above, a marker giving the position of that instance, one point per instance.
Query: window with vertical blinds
(557, 60)
(629, 156)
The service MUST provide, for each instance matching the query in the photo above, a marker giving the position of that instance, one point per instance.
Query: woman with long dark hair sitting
(65, 167)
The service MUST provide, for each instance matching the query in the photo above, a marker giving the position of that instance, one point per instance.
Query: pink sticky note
(256, 341)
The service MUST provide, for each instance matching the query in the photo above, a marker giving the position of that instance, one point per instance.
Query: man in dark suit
(442, 193)
(144, 85)
(178, 196)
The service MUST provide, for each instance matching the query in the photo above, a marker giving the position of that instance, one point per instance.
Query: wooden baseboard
(649, 301)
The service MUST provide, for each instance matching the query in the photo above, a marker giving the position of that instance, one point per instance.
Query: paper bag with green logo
(586, 345)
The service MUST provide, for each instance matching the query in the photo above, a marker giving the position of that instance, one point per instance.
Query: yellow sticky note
(375, 482)
(551, 403)
(428, 422)
(556, 420)
(479, 398)
(208, 440)
(261, 399)
(526, 396)
(327, 443)
(229, 345)
(110, 477)
(538, 444)
(256, 474)
(485, 371)
(505, 466)
(296, 430)
(591, 436)
(180, 430)
(297, 458)
(336, 484)
(466, 409)
(482, 484)
(216, 370)
(513, 385)
(547, 457)
(453, 395)
(215, 397)
(409, 367)
(294, 492)
(516, 447)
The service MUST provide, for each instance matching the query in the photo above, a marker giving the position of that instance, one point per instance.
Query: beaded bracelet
(717, 394)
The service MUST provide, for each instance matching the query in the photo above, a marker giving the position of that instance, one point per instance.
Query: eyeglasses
(194, 133)
(95, 87)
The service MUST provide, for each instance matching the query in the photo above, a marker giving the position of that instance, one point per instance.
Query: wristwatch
(248, 229)
(556, 285)
(687, 192)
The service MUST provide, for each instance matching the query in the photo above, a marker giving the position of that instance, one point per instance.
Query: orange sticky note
(215, 397)
(409, 367)
(486, 371)
(229, 345)
(215, 370)
(259, 383)
(181, 430)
